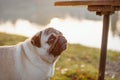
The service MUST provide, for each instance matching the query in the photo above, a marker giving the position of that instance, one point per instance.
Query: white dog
(33, 59)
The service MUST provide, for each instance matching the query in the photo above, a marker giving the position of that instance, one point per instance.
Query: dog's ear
(36, 40)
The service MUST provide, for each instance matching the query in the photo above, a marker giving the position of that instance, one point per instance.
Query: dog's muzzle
(59, 45)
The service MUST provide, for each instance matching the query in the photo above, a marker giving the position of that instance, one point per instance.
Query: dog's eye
(51, 39)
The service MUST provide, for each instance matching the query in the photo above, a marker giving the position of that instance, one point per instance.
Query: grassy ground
(76, 63)
(9, 39)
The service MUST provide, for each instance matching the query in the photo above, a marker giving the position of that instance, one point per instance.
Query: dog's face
(51, 40)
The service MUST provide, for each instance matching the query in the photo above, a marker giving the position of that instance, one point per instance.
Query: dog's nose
(63, 42)
(62, 39)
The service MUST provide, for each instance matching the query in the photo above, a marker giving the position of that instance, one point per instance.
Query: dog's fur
(33, 59)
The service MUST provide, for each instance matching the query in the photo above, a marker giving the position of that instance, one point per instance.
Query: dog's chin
(58, 47)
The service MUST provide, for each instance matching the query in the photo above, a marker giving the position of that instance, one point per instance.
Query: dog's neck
(35, 54)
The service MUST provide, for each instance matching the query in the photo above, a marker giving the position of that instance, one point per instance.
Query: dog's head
(51, 40)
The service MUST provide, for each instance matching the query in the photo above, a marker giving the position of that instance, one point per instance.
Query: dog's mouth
(58, 46)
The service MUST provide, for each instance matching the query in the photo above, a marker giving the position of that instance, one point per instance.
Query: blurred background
(83, 29)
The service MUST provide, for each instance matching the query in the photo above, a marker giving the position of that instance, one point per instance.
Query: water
(85, 32)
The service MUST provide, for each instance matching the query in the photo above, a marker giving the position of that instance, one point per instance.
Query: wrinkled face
(51, 40)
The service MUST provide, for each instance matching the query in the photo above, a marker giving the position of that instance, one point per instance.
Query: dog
(33, 59)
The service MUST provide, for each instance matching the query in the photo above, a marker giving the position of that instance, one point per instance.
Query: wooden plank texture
(88, 2)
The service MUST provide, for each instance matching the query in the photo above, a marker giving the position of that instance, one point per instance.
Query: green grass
(76, 63)
(10, 39)
(81, 63)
